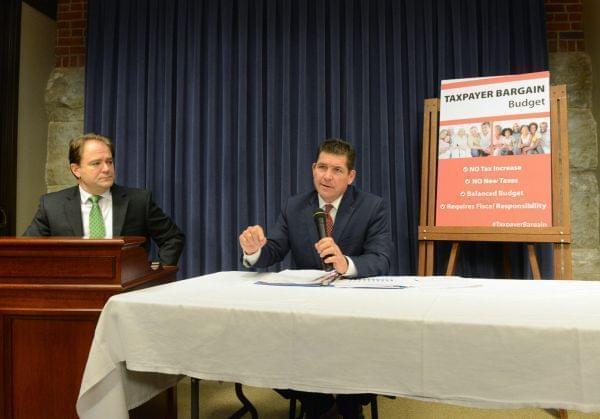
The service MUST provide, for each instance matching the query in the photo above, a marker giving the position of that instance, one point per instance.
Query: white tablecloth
(501, 343)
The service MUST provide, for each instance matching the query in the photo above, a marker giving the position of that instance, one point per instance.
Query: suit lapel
(344, 214)
(73, 212)
(312, 203)
(120, 202)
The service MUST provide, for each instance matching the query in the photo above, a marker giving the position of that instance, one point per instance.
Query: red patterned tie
(329, 220)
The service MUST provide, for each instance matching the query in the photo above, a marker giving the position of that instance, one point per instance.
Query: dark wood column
(10, 40)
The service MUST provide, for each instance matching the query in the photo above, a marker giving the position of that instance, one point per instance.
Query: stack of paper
(310, 278)
(301, 277)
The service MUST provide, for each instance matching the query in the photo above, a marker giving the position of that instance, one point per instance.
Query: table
(476, 342)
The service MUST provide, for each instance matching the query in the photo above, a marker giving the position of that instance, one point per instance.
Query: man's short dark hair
(340, 148)
(76, 146)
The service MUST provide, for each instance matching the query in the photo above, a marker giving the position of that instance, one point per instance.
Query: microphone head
(319, 214)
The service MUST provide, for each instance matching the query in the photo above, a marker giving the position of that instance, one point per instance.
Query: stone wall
(64, 91)
(571, 65)
(64, 104)
(574, 69)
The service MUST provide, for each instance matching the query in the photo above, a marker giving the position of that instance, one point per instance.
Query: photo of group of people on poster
(498, 138)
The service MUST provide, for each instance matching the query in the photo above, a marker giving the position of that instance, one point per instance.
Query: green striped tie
(97, 229)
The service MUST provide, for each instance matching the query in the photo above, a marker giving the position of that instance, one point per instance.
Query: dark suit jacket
(134, 214)
(361, 230)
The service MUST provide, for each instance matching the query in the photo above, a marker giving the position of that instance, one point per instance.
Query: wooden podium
(52, 291)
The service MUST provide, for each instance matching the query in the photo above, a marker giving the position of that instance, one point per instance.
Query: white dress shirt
(105, 204)
(250, 260)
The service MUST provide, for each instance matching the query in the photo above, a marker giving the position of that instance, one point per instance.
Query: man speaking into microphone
(360, 244)
(357, 241)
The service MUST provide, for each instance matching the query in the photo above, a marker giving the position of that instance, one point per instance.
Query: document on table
(299, 277)
(311, 278)
(417, 282)
(374, 282)
(332, 279)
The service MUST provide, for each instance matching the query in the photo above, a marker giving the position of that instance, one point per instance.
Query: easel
(560, 232)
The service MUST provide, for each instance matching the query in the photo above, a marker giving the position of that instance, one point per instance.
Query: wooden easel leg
(429, 258)
(452, 259)
(562, 261)
(422, 254)
(535, 269)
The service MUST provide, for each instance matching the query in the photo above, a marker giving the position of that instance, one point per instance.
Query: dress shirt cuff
(249, 260)
(351, 271)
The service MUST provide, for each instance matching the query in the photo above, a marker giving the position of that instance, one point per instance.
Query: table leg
(195, 398)
(247, 406)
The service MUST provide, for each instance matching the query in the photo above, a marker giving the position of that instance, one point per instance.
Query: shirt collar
(85, 196)
(336, 203)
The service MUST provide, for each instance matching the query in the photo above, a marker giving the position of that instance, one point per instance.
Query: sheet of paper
(420, 282)
(301, 277)
(375, 282)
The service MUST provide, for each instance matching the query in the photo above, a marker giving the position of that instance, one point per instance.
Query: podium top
(73, 260)
(119, 241)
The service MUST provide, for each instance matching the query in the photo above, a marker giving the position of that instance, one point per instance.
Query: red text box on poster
(495, 191)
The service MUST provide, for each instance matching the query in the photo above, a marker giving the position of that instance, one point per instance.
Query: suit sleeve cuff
(249, 260)
(351, 271)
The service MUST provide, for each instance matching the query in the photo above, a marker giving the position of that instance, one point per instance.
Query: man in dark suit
(360, 242)
(98, 208)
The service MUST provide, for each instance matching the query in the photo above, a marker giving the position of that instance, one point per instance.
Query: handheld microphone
(321, 222)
